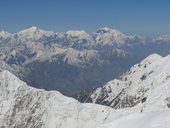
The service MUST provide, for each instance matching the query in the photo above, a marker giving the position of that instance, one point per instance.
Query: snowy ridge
(24, 106)
(146, 83)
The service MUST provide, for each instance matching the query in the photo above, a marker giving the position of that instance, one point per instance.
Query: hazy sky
(129, 16)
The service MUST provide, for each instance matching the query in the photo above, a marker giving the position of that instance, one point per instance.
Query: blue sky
(129, 16)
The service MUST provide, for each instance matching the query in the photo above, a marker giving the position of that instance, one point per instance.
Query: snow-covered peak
(34, 30)
(108, 36)
(4, 34)
(29, 30)
(34, 33)
(109, 30)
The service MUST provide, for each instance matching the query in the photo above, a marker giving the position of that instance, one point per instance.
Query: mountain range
(74, 62)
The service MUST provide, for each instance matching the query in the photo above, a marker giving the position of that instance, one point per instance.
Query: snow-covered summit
(109, 30)
(33, 33)
(33, 29)
(4, 34)
(109, 36)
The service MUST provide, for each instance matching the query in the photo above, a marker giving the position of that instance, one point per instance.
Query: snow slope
(141, 98)
(146, 83)
(22, 106)
(141, 120)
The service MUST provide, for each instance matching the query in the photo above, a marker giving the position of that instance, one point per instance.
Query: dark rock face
(168, 101)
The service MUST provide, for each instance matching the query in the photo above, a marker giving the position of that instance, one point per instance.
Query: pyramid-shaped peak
(34, 28)
(31, 29)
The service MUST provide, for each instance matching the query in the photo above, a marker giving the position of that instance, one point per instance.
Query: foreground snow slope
(22, 106)
(142, 120)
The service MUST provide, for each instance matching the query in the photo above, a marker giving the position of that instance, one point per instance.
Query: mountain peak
(34, 33)
(30, 30)
(33, 28)
(108, 30)
(4, 34)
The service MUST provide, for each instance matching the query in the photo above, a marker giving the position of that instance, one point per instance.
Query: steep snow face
(146, 83)
(75, 57)
(144, 120)
(105, 95)
(22, 106)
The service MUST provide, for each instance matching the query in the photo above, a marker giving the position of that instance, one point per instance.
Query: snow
(24, 106)
(110, 36)
(142, 120)
(162, 38)
(108, 91)
(81, 34)
(33, 33)
(4, 34)
(147, 80)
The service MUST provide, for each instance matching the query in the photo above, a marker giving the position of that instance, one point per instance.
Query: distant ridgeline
(74, 61)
